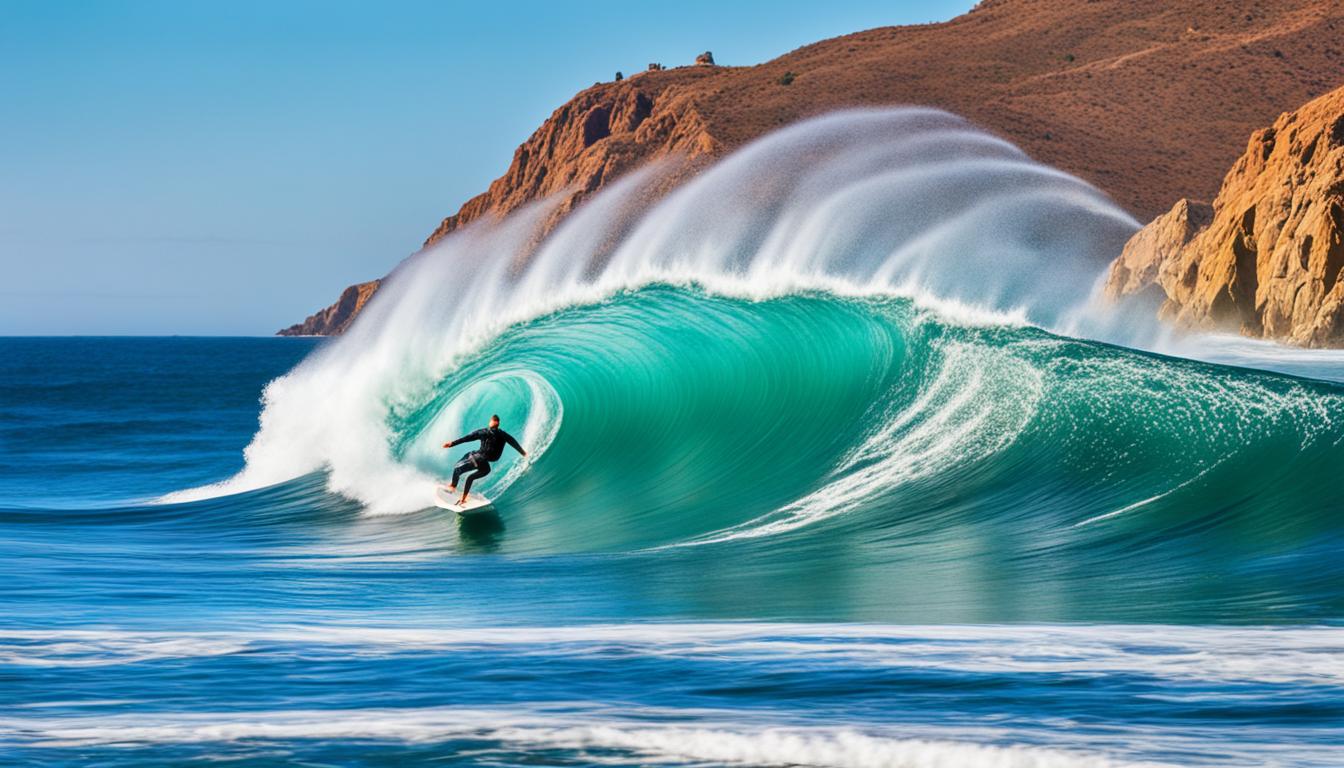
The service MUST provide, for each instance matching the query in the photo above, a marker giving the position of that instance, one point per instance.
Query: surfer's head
(494, 421)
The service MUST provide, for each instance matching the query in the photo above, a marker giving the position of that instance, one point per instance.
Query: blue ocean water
(963, 621)
(833, 461)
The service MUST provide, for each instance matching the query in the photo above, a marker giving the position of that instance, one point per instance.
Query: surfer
(492, 440)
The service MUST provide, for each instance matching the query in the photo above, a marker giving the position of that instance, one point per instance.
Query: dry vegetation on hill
(1150, 100)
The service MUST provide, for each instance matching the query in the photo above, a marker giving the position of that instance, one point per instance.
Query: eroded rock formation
(336, 318)
(1266, 259)
(597, 136)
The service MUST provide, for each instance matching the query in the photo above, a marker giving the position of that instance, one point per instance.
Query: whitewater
(836, 457)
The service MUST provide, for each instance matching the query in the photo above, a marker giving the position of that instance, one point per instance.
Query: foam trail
(1299, 655)
(733, 744)
(1145, 502)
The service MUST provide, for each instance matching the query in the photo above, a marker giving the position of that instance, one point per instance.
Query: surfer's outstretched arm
(509, 439)
(477, 435)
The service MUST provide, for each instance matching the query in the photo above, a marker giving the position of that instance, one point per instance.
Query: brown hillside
(1147, 99)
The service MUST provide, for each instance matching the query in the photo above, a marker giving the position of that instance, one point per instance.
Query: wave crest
(868, 202)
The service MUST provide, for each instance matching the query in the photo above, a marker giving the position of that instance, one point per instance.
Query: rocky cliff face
(1147, 99)
(1137, 269)
(600, 134)
(336, 318)
(1266, 259)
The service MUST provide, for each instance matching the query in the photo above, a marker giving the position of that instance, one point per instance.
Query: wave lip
(864, 202)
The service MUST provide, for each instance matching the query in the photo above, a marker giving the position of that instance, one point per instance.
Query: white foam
(1279, 655)
(1185, 656)
(96, 648)
(596, 728)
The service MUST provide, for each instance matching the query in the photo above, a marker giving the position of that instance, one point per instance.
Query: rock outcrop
(599, 135)
(1157, 244)
(1267, 259)
(336, 318)
(1148, 100)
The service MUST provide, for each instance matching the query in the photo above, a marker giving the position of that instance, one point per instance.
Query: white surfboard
(476, 503)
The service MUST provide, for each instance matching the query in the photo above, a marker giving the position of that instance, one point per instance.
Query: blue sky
(228, 167)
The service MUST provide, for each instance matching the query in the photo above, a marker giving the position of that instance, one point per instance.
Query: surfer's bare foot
(452, 488)
(462, 500)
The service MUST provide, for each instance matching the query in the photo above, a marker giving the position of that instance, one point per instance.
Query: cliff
(336, 318)
(1266, 259)
(1146, 99)
(600, 134)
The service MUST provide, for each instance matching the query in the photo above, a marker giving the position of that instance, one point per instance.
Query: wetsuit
(493, 440)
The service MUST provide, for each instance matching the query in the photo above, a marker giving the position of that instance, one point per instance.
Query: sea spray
(910, 202)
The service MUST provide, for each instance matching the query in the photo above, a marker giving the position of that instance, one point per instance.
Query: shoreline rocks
(1267, 258)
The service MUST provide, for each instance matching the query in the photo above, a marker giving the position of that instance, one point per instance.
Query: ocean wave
(903, 201)
(839, 334)
(1311, 655)
(488, 731)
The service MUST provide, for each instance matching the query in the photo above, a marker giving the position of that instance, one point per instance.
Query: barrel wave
(868, 342)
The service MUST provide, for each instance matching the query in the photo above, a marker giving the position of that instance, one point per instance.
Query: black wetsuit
(493, 440)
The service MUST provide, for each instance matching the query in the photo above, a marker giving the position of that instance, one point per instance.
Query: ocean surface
(817, 477)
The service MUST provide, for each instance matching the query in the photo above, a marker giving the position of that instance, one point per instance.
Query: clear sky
(202, 167)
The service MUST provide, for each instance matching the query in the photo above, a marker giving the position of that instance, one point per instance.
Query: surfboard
(476, 503)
